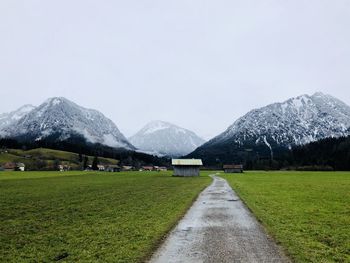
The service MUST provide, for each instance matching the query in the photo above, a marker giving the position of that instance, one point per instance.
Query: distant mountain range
(269, 131)
(262, 134)
(165, 139)
(60, 120)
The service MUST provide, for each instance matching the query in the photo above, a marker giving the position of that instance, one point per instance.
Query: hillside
(268, 133)
(44, 159)
(76, 145)
(330, 152)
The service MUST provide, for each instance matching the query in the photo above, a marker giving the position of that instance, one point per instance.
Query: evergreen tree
(86, 162)
(95, 163)
(56, 164)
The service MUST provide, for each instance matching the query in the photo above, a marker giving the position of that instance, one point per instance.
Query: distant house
(20, 167)
(112, 168)
(127, 168)
(162, 169)
(63, 167)
(159, 168)
(233, 168)
(186, 167)
(9, 166)
(147, 168)
(100, 167)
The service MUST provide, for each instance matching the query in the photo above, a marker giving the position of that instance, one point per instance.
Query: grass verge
(308, 213)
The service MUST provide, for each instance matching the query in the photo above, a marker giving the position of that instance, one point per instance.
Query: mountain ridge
(165, 139)
(8, 118)
(61, 118)
(277, 126)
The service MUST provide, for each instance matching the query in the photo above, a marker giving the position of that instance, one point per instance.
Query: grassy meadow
(122, 217)
(49, 156)
(90, 216)
(308, 213)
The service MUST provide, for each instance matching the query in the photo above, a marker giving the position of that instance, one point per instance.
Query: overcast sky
(199, 64)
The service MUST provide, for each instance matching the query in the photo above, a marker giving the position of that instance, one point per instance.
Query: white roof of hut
(190, 162)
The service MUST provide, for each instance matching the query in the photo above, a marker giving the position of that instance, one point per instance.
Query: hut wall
(186, 171)
(231, 170)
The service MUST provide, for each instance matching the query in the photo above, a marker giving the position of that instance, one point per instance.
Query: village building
(147, 168)
(101, 167)
(186, 167)
(20, 167)
(233, 168)
(112, 168)
(162, 169)
(9, 166)
(63, 167)
(127, 168)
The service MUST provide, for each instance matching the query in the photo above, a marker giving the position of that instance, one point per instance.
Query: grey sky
(199, 64)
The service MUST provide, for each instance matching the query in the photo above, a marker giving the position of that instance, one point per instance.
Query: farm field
(90, 216)
(308, 213)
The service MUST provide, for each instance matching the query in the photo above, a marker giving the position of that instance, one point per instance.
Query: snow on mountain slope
(63, 118)
(7, 119)
(296, 121)
(165, 139)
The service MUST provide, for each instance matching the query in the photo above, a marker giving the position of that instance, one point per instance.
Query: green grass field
(122, 217)
(88, 216)
(308, 213)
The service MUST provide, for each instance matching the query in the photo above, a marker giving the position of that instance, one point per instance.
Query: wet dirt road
(218, 228)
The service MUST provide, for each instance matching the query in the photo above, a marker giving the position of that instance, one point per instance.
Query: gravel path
(218, 228)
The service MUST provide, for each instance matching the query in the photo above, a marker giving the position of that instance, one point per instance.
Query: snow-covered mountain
(7, 119)
(63, 119)
(165, 139)
(296, 121)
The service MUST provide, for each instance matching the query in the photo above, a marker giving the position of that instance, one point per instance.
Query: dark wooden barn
(233, 168)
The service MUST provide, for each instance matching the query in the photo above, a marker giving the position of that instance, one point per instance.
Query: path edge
(284, 252)
(162, 239)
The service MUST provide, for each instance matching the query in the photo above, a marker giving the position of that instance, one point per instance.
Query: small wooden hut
(186, 167)
(233, 168)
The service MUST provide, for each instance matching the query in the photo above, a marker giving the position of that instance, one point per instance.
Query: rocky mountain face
(7, 119)
(267, 131)
(165, 139)
(60, 119)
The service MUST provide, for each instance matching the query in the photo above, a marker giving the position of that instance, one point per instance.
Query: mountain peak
(58, 100)
(62, 118)
(296, 121)
(155, 126)
(164, 138)
(320, 94)
(26, 108)
(159, 123)
(8, 119)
